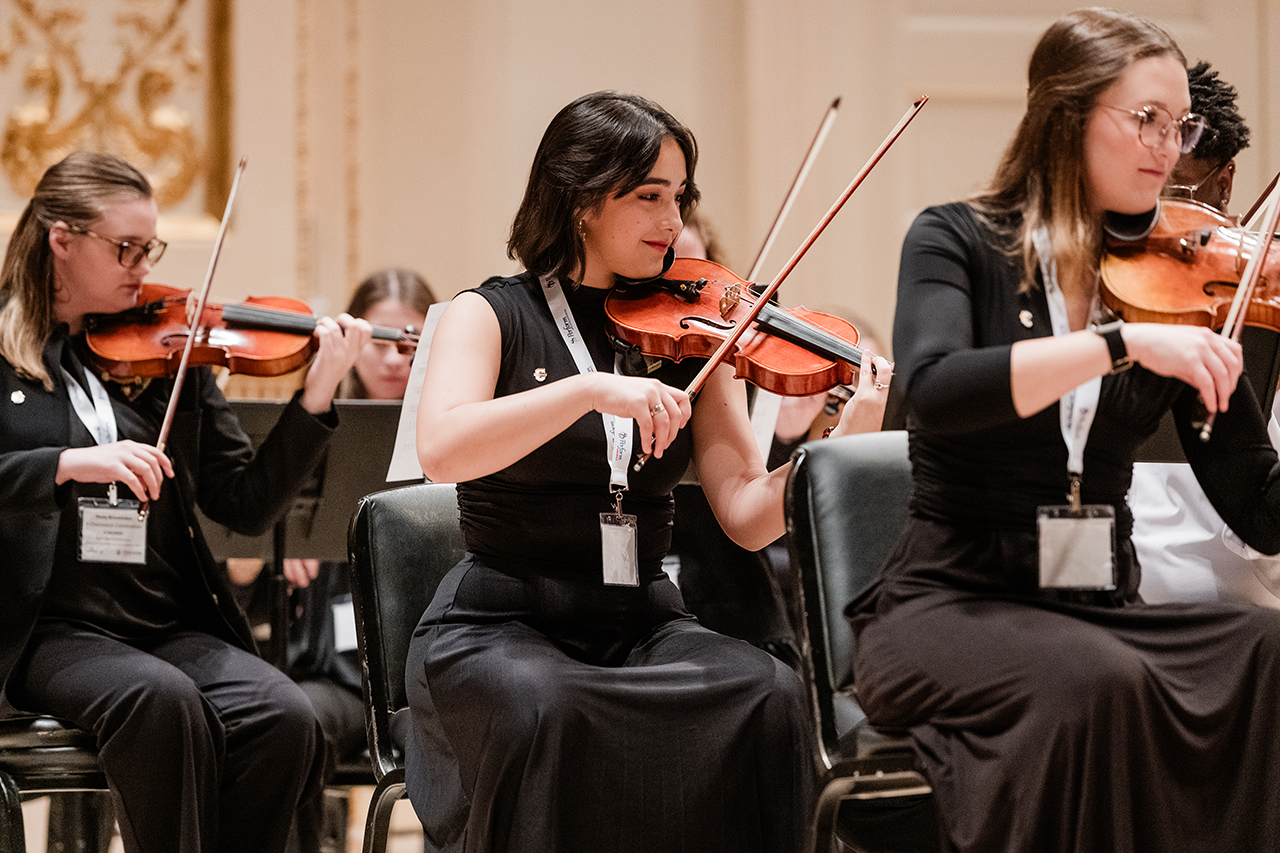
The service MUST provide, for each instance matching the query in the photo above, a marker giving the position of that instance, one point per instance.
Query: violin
(262, 336)
(693, 308)
(1187, 271)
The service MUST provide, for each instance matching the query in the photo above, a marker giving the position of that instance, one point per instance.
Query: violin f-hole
(688, 321)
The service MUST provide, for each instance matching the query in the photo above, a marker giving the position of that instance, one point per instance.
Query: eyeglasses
(1153, 132)
(1188, 191)
(129, 254)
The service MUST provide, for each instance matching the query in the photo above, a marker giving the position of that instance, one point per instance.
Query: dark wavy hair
(601, 145)
(1215, 99)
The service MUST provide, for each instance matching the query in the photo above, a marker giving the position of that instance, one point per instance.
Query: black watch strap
(1120, 360)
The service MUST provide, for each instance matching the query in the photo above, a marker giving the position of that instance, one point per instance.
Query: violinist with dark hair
(1187, 552)
(1206, 173)
(1051, 708)
(117, 619)
(562, 698)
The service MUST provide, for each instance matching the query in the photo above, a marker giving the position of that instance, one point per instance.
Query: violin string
(799, 327)
(295, 320)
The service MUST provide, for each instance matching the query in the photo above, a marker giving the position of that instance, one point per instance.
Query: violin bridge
(729, 300)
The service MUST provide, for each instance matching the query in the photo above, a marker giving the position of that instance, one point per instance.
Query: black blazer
(215, 467)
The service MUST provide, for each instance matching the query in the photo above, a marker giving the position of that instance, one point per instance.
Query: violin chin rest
(1131, 227)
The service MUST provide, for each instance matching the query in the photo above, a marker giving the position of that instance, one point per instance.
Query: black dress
(1067, 721)
(553, 713)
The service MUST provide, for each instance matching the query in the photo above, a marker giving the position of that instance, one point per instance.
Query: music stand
(315, 526)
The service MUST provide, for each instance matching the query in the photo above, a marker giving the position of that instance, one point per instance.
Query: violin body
(147, 342)
(700, 304)
(1187, 271)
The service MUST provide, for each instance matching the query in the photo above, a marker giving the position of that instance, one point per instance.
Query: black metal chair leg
(377, 829)
(13, 835)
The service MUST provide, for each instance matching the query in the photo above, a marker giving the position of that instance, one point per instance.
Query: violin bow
(1247, 219)
(731, 340)
(764, 414)
(1234, 326)
(828, 119)
(200, 303)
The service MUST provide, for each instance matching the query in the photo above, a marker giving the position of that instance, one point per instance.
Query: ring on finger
(658, 409)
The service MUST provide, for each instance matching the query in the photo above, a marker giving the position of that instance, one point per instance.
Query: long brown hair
(402, 285)
(1041, 177)
(74, 191)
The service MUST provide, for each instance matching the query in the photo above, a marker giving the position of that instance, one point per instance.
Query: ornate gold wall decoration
(104, 76)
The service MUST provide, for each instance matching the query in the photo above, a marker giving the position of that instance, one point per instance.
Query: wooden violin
(262, 336)
(1187, 271)
(697, 304)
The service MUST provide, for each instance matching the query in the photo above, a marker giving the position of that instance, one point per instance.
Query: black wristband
(1120, 360)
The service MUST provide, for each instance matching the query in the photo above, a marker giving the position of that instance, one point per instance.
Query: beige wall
(400, 131)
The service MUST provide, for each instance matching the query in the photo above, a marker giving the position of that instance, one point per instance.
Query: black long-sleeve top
(976, 462)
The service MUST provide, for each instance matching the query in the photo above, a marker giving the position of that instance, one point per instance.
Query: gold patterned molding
(126, 77)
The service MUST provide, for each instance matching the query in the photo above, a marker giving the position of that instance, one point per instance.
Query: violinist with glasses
(1052, 709)
(1206, 173)
(1187, 551)
(115, 616)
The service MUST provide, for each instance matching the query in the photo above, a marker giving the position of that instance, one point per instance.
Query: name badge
(1077, 546)
(618, 544)
(112, 532)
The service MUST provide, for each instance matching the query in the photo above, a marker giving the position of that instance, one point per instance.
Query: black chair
(402, 543)
(42, 755)
(846, 502)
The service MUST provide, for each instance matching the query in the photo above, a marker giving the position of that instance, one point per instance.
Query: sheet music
(404, 458)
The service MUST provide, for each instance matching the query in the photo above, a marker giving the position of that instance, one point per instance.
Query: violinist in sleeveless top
(562, 698)
(1051, 708)
(118, 620)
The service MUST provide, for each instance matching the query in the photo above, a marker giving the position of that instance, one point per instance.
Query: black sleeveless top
(541, 515)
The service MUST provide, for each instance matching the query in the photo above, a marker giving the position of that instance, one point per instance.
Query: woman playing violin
(1051, 708)
(562, 698)
(115, 618)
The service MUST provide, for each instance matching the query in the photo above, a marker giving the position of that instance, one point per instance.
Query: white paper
(404, 458)
(344, 626)
(764, 420)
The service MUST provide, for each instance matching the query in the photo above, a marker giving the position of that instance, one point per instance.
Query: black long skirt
(1051, 726)
(551, 715)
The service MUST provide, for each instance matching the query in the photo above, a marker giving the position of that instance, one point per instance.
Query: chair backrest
(402, 542)
(846, 503)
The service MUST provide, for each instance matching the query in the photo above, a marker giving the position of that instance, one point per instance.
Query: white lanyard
(1078, 406)
(96, 414)
(618, 430)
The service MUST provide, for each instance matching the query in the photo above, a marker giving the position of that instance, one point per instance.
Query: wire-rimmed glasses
(129, 254)
(1153, 131)
(1188, 191)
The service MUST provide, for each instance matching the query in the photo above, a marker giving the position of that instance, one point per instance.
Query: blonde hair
(74, 191)
(1041, 177)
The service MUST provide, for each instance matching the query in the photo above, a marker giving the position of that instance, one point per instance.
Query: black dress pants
(205, 746)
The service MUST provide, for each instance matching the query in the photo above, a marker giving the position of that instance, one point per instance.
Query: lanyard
(96, 414)
(616, 429)
(1078, 406)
